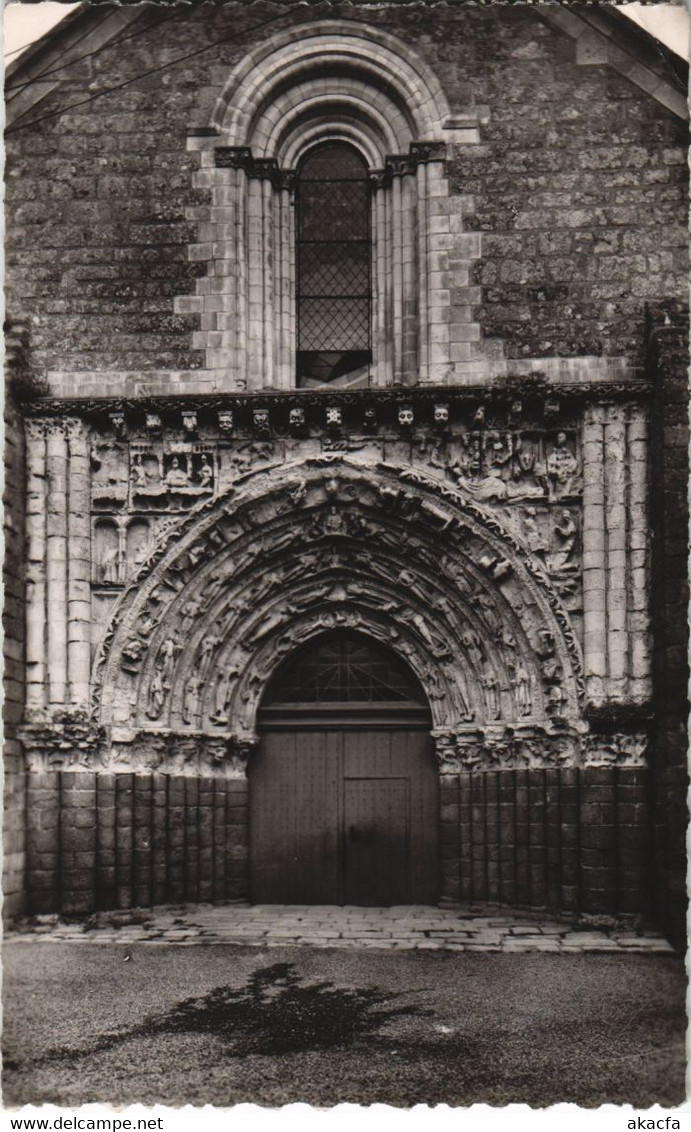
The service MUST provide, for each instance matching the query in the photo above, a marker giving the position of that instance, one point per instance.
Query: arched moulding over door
(337, 82)
(311, 547)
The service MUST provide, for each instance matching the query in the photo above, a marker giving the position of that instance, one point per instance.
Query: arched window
(334, 289)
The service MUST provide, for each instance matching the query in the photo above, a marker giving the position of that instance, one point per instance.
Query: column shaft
(56, 563)
(36, 510)
(594, 574)
(638, 550)
(267, 377)
(616, 467)
(255, 263)
(423, 272)
(78, 567)
(397, 280)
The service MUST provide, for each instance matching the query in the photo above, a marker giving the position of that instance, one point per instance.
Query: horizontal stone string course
(565, 839)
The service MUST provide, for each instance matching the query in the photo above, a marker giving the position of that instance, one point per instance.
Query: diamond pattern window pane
(329, 270)
(332, 163)
(334, 210)
(334, 324)
(333, 253)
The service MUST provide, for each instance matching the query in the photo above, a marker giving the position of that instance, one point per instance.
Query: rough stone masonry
(496, 502)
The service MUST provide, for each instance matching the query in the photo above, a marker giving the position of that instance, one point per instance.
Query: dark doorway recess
(343, 790)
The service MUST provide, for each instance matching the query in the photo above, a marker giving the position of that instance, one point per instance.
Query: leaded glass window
(333, 268)
(344, 668)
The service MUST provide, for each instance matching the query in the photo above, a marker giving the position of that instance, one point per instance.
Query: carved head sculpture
(117, 421)
(334, 417)
(296, 418)
(370, 420)
(516, 408)
(526, 456)
(479, 417)
(561, 440)
(225, 421)
(260, 418)
(552, 407)
(153, 422)
(406, 416)
(441, 414)
(189, 422)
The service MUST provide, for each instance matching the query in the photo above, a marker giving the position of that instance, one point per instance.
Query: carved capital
(36, 428)
(617, 749)
(233, 157)
(422, 152)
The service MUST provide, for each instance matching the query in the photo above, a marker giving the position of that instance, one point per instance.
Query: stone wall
(572, 201)
(670, 472)
(104, 841)
(570, 840)
(13, 629)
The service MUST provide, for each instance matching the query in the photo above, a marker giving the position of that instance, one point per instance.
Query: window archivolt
(325, 87)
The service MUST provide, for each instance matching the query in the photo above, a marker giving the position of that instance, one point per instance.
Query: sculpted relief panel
(322, 545)
(218, 545)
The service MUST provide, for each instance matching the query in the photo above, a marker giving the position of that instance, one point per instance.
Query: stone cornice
(505, 391)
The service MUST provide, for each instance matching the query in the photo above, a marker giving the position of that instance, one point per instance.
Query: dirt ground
(225, 1024)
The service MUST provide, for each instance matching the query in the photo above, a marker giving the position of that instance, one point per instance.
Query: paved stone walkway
(276, 925)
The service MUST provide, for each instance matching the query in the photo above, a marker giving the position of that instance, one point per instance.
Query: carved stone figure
(206, 472)
(521, 685)
(555, 700)
(406, 416)
(527, 475)
(138, 472)
(490, 684)
(534, 538)
(110, 566)
(562, 468)
(190, 698)
(157, 696)
(176, 476)
(488, 608)
(471, 644)
(566, 531)
(167, 655)
(131, 655)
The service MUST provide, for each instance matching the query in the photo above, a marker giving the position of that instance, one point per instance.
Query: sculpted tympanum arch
(297, 548)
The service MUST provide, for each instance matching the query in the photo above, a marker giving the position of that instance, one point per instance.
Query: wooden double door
(344, 815)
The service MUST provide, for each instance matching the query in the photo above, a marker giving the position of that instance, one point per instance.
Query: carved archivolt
(298, 549)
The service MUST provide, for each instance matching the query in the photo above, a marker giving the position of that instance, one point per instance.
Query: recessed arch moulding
(296, 549)
(323, 81)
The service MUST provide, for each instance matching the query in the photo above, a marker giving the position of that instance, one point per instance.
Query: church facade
(346, 460)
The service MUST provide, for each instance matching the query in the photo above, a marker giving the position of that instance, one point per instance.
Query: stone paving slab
(399, 928)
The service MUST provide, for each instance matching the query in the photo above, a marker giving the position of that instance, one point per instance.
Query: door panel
(344, 816)
(294, 804)
(376, 836)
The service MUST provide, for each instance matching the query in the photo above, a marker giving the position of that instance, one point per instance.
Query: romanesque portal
(447, 578)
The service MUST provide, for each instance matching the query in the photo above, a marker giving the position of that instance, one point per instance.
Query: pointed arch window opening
(333, 268)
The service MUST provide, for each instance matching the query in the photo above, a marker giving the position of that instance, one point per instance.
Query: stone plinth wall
(133, 840)
(575, 840)
(569, 839)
